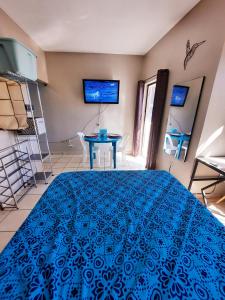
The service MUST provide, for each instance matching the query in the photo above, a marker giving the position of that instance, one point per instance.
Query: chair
(120, 148)
(169, 147)
(96, 150)
(185, 147)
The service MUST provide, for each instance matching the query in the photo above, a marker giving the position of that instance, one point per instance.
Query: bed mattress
(116, 235)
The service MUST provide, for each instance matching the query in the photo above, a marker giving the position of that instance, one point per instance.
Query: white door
(149, 101)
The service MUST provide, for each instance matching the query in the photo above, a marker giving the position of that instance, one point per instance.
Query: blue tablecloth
(116, 235)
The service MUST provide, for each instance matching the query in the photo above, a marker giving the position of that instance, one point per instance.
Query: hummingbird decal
(190, 51)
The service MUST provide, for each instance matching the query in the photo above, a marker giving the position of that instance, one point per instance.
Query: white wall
(212, 140)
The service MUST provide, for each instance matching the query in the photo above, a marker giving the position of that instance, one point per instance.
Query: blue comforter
(116, 235)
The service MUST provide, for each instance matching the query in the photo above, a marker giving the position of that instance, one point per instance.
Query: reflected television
(101, 91)
(179, 95)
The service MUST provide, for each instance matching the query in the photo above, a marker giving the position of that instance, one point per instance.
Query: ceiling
(97, 26)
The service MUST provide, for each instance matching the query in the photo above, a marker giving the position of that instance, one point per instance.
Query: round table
(100, 140)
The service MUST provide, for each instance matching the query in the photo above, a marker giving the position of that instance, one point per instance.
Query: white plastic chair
(96, 150)
(185, 147)
(120, 148)
(169, 147)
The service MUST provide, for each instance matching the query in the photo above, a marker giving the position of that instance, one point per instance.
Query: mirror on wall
(183, 108)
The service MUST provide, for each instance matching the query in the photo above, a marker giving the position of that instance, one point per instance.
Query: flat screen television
(101, 91)
(179, 95)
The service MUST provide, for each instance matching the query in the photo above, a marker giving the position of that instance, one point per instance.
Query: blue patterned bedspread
(116, 235)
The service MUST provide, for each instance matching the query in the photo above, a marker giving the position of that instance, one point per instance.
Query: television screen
(179, 95)
(101, 91)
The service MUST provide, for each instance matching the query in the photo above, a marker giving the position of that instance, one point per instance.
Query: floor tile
(3, 214)
(76, 159)
(69, 170)
(72, 165)
(57, 170)
(87, 165)
(54, 159)
(56, 156)
(5, 237)
(48, 164)
(21, 192)
(14, 220)
(59, 165)
(83, 169)
(121, 168)
(39, 190)
(47, 168)
(84, 164)
(28, 201)
(64, 160)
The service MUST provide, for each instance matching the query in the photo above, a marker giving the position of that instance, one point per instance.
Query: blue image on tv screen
(179, 95)
(101, 91)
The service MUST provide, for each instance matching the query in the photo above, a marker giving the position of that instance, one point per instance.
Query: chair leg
(111, 158)
(84, 156)
(98, 157)
(218, 181)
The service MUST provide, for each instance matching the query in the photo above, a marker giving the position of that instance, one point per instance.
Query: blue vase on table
(103, 134)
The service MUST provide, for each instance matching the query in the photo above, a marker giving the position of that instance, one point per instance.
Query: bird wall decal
(190, 51)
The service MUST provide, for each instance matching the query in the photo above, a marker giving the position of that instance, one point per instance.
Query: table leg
(193, 174)
(221, 200)
(91, 154)
(114, 154)
(209, 186)
(180, 148)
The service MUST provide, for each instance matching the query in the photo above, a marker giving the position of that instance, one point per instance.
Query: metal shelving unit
(38, 145)
(37, 136)
(16, 173)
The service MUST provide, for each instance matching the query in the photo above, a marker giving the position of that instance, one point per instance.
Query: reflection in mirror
(183, 108)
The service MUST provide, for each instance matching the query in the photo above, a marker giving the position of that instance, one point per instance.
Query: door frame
(147, 84)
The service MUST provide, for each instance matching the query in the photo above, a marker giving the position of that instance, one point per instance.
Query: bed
(116, 235)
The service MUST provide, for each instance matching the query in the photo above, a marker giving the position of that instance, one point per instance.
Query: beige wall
(64, 108)
(205, 22)
(8, 28)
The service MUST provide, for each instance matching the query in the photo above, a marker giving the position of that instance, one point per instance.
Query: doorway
(149, 95)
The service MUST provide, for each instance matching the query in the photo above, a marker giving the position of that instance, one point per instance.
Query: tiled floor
(68, 163)
(11, 220)
(217, 209)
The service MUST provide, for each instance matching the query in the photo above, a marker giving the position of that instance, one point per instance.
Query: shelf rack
(38, 145)
(38, 141)
(16, 174)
